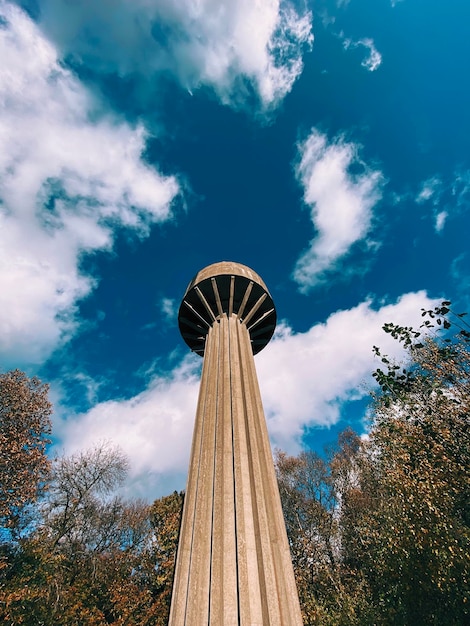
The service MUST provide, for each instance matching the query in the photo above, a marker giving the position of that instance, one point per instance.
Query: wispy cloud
(232, 46)
(447, 199)
(169, 309)
(305, 379)
(440, 220)
(68, 176)
(460, 189)
(460, 273)
(373, 60)
(431, 190)
(340, 202)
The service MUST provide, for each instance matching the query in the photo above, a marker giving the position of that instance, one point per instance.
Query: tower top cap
(226, 289)
(226, 268)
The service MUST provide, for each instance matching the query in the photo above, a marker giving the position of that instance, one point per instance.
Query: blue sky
(323, 143)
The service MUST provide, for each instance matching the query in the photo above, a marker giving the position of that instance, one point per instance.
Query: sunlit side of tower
(233, 564)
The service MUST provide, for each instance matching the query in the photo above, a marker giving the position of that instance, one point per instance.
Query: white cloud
(460, 273)
(341, 202)
(431, 189)
(460, 189)
(448, 199)
(154, 428)
(305, 378)
(169, 309)
(68, 175)
(440, 220)
(374, 58)
(219, 43)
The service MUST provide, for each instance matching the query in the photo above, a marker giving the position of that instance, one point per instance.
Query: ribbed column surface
(233, 564)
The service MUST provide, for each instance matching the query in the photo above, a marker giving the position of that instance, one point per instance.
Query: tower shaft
(233, 565)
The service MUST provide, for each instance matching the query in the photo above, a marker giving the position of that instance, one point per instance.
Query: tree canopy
(24, 429)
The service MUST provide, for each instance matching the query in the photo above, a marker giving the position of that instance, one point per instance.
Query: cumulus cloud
(305, 379)
(373, 60)
(224, 44)
(340, 202)
(68, 176)
(154, 428)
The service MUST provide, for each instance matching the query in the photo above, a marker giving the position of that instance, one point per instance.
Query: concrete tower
(233, 565)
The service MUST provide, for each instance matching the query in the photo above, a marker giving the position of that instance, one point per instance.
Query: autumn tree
(24, 428)
(312, 488)
(103, 543)
(79, 511)
(90, 560)
(166, 520)
(379, 528)
(415, 488)
(308, 500)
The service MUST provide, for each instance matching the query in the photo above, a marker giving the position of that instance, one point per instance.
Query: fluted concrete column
(233, 564)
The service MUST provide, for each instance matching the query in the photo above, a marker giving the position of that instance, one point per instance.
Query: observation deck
(226, 288)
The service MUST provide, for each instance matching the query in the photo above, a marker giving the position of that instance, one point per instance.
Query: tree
(308, 500)
(91, 559)
(312, 489)
(379, 528)
(24, 428)
(410, 532)
(166, 520)
(79, 511)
